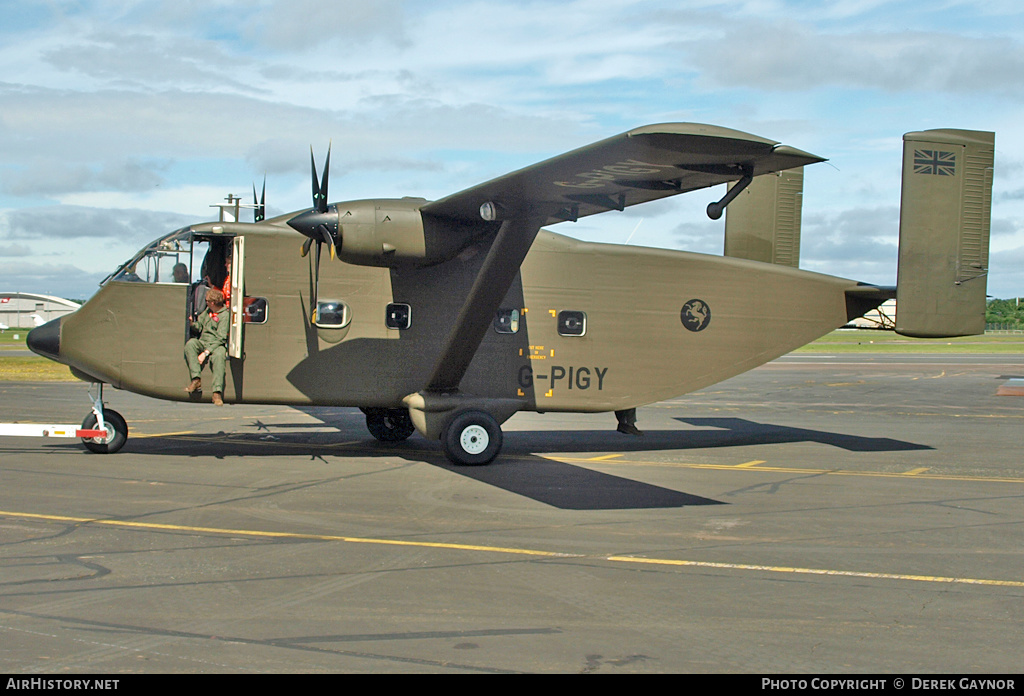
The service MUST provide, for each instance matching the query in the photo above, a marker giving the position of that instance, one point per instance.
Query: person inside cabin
(180, 272)
(226, 287)
(209, 346)
(197, 294)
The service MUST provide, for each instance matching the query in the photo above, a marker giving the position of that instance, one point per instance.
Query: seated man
(210, 347)
(180, 273)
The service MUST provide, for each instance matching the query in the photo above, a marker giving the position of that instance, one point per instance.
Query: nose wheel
(472, 438)
(104, 419)
(117, 432)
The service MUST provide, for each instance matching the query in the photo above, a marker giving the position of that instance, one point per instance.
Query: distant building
(19, 310)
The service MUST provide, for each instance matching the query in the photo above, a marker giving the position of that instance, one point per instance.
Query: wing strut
(499, 269)
(715, 209)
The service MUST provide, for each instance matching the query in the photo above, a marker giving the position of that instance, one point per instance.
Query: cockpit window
(164, 261)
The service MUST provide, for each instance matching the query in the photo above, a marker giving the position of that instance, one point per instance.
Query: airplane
(447, 317)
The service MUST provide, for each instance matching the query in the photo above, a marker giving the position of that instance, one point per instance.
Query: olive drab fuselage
(649, 324)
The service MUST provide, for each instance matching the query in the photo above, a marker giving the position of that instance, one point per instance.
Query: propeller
(320, 224)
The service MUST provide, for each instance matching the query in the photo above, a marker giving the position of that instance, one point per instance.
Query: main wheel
(389, 424)
(472, 438)
(117, 432)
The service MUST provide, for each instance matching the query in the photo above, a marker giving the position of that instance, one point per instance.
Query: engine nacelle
(392, 232)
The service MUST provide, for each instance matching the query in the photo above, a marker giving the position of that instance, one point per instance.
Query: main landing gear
(389, 424)
(473, 437)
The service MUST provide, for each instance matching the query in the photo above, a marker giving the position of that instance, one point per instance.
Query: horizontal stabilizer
(945, 216)
(642, 165)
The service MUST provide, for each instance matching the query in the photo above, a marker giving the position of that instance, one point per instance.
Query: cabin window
(255, 310)
(506, 321)
(332, 314)
(398, 316)
(572, 323)
(164, 261)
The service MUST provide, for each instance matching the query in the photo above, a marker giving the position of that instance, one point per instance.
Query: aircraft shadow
(737, 432)
(558, 484)
(518, 470)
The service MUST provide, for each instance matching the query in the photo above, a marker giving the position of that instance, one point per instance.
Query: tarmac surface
(821, 514)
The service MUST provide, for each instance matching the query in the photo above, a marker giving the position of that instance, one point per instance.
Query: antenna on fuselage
(229, 211)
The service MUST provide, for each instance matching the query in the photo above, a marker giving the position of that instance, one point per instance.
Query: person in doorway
(209, 347)
(226, 288)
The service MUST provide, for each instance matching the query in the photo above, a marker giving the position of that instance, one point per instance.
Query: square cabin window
(332, 314)
(506, 321)
(398, 316)
(572, 323)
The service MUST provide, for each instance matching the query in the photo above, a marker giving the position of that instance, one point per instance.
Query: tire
(389, 424)
(473, 438)
(117, 433)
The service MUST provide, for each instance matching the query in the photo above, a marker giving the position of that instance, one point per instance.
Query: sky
(121, 121)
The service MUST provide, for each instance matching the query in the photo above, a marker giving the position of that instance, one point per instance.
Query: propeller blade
(320, 188)
(316, 283)
(260, 212)
(305, 246)
(321, 223)
(324, 182)
(328, 240)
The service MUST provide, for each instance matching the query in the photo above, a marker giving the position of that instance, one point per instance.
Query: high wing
(644, 164)
(641, 165)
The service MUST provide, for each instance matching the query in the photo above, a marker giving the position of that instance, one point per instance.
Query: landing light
(489, 211)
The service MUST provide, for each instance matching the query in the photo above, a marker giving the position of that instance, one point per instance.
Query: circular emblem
(696, 315)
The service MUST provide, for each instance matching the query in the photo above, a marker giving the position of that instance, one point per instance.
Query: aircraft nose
(45, 339)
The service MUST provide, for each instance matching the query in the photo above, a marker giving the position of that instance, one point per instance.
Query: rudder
(945, 218)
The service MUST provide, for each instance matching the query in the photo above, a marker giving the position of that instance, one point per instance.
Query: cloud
(62, 280)
(858, 243)
(305, 24)
(53, 177)
(1001, 227)
(1006, 273)
(138, 135)
(147, 61)
(858, 232)
(67, 222)
(790, 56)
(702, 237)
(13, 250)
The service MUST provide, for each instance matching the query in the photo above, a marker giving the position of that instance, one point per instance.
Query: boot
(218, 400)
(194, 386)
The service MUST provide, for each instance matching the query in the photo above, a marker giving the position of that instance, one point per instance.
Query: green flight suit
(213, 329)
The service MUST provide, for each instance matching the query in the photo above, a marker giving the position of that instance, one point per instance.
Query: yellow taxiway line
(669, 562)
(758, 465)
(277, 535)
(817, 571)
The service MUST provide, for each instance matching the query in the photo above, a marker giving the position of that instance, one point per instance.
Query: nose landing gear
(102, 431)
(107, 420)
